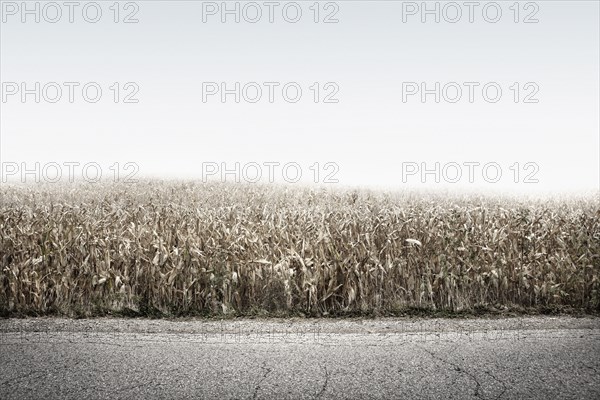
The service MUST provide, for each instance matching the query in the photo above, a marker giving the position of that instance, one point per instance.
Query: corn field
(185, 248)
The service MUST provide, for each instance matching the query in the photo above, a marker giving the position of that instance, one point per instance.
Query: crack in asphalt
(501, 382)
(494, 377)
(590, 367)
(457, 368)
(108, 365)
(261, 380)
(324, 387)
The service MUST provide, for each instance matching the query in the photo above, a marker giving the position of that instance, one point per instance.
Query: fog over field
(494, 96)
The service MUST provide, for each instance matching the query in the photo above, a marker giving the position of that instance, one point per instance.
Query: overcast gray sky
(373, 61)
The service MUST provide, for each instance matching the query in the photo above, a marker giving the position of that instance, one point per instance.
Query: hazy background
(369, 133)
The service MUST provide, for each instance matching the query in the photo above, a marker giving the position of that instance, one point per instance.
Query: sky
(355, 93)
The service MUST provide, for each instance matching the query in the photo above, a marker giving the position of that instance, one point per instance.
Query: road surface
(509, 358)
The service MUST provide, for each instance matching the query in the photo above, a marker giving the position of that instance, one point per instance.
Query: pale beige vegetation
(190, 248)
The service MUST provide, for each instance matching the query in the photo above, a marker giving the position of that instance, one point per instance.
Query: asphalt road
(514, 358)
